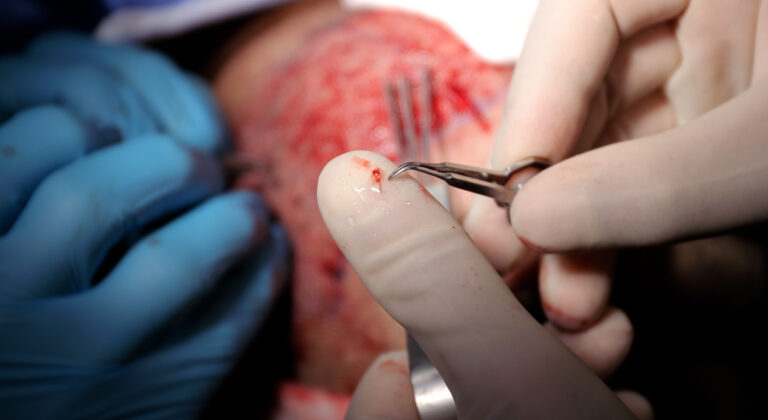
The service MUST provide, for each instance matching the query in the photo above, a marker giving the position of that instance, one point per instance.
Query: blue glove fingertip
(83, 209)
(168, 270)
(36, 142)
(242, 214)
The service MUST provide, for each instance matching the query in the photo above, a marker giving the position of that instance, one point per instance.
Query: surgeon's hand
(124, 164)
(686, 82)
(416, 260)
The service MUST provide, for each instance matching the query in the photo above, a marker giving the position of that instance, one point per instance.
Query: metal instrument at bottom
(433, 398)
(417, 142)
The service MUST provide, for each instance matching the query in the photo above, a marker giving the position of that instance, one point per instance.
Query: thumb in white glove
(425, 271)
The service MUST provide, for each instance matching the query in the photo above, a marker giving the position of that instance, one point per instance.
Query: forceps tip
(402, 168)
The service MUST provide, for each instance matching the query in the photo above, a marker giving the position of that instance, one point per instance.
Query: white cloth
(494, 29)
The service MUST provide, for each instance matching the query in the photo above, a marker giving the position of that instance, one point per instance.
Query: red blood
(376, 176)
(465, 102)
(327, 98)
(365, 163)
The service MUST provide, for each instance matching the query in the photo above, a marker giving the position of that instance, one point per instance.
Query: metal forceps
(414, 139)
(487, 182)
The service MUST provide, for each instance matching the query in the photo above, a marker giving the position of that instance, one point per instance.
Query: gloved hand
(135, 90)
(153, 334)
(424, 270)
(685, 81)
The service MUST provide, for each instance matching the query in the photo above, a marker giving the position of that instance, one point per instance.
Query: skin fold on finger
(575, 288)
(385, 391)
(424, 270)
(602, 346)
(698, 178)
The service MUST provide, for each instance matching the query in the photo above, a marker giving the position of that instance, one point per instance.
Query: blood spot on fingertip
(8, 151)
(375, 171)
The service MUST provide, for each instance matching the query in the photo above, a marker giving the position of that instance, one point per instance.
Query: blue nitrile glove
(136, 90)
(156, 334)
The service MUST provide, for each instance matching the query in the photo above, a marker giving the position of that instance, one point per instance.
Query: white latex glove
(687, 80)
(708, 175)
(416, 260)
